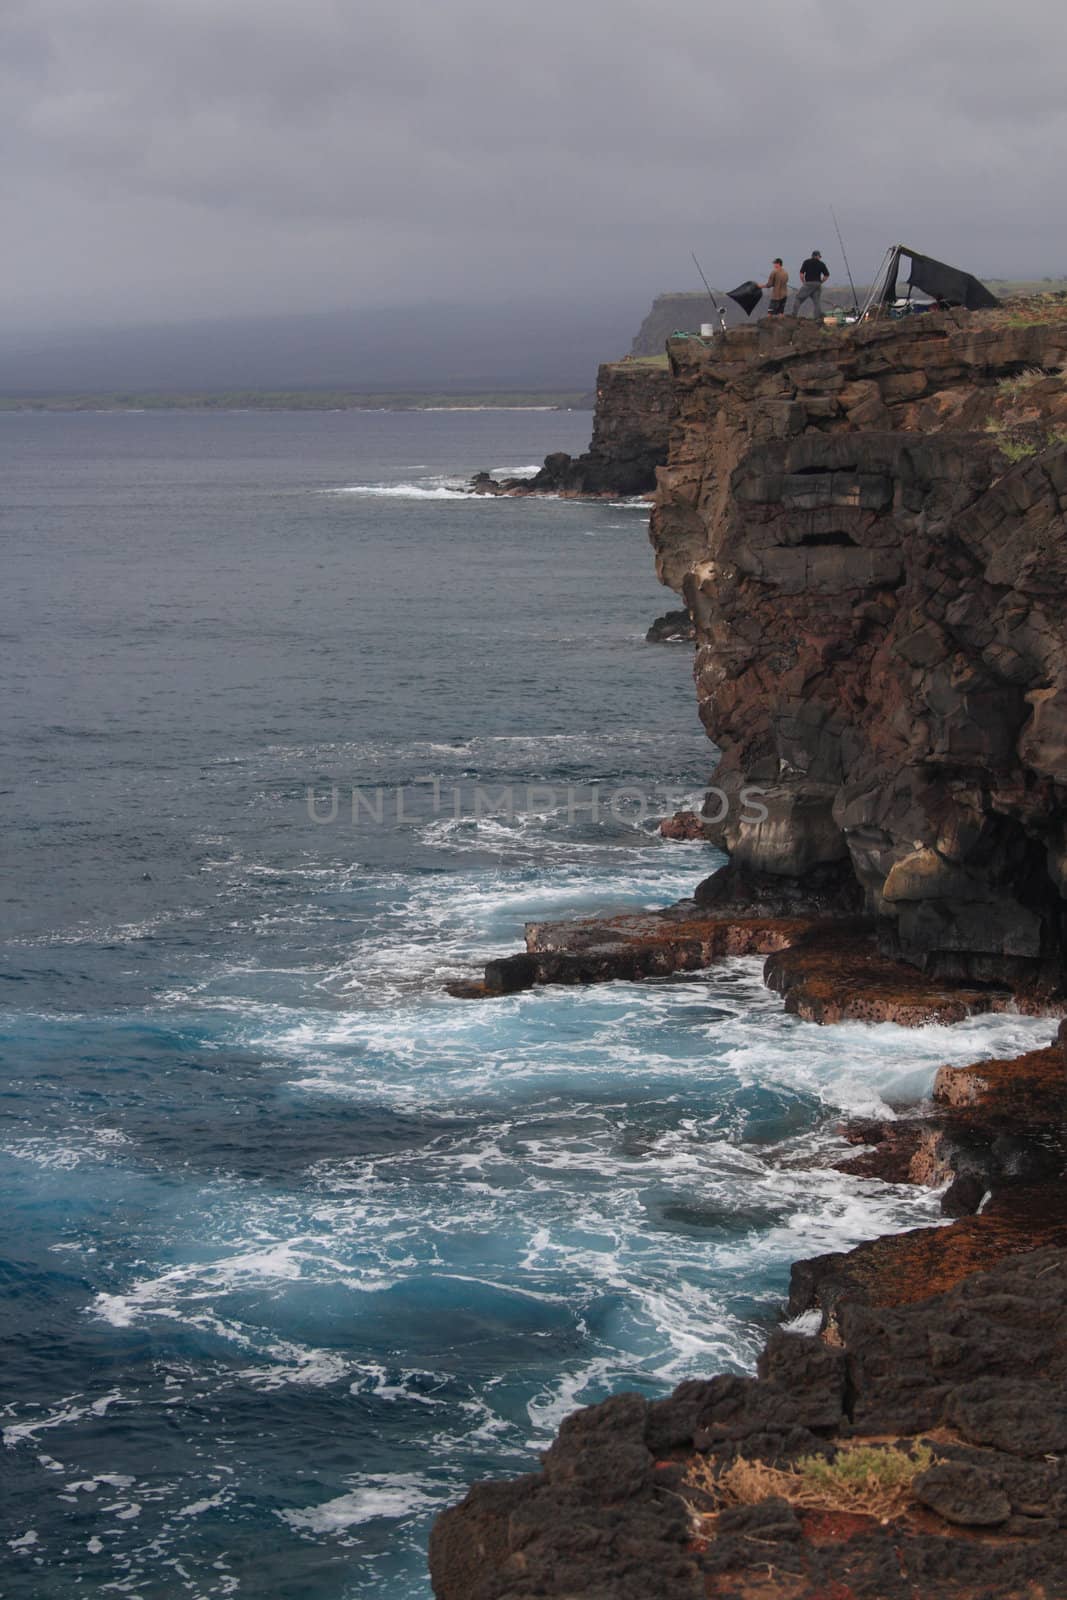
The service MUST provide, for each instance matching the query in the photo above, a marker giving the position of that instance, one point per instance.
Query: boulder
(674, 627)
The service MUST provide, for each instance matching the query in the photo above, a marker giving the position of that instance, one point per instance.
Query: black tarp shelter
(949, 286)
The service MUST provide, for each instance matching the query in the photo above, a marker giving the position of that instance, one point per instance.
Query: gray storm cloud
(173, 158)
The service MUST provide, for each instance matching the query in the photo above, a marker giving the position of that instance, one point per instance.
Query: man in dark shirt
(813, 274)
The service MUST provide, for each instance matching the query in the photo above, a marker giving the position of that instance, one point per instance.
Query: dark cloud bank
(174, 161)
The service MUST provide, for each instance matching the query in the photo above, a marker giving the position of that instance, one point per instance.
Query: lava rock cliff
(868, 527)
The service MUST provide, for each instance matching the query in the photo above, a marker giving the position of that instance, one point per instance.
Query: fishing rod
(848, 269)
(719, 310)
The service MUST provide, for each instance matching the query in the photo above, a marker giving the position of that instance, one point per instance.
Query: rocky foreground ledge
(923, 1452)
(914, 1442)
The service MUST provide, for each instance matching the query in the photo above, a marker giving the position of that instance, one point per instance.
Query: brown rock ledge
(993, 1124)
(902, 1268)
(836, 973)
(828, 968)
(631, 945)
(683, 825)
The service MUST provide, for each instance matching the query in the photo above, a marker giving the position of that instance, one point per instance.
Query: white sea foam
(47, 1152)
(807, 1324)
(124, 1510)
(196, 1508)
(547, 1408)
(391, 1495)
(857, 1068)
(593, 1176)
(596, 1213)
(67, 1411)
(111, 1480)
(182, 1293)
(411, 491)
(293, 1364)
(88, 933)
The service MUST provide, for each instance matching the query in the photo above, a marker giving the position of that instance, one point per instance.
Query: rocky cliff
(631, 430)
(869, 529)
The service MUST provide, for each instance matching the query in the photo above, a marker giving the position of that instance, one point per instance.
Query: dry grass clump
(869, 1480)
(1022, 381)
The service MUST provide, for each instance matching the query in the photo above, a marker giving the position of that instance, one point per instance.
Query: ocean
(296, 1246)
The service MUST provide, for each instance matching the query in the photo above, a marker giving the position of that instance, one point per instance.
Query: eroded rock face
(878, 598)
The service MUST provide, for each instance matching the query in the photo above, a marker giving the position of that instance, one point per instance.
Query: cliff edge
(870, 530)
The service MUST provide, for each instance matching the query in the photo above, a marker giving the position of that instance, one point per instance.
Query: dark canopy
(948, 285)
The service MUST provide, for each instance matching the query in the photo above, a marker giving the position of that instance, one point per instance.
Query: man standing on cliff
(813, 274)
(778, 284)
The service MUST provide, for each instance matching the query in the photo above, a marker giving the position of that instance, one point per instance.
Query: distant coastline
(301, 400)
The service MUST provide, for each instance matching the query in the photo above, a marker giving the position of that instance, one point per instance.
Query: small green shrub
(870, 1480)
(1010, 443)
(867, 1469)
(1017, 449)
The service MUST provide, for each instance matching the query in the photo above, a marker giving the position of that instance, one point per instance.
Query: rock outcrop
(823, 960)
(994, 1125)
(870, 530)
(631, 430)
(674, 627)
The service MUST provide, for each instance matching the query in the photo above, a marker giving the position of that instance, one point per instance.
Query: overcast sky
(167, 159)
